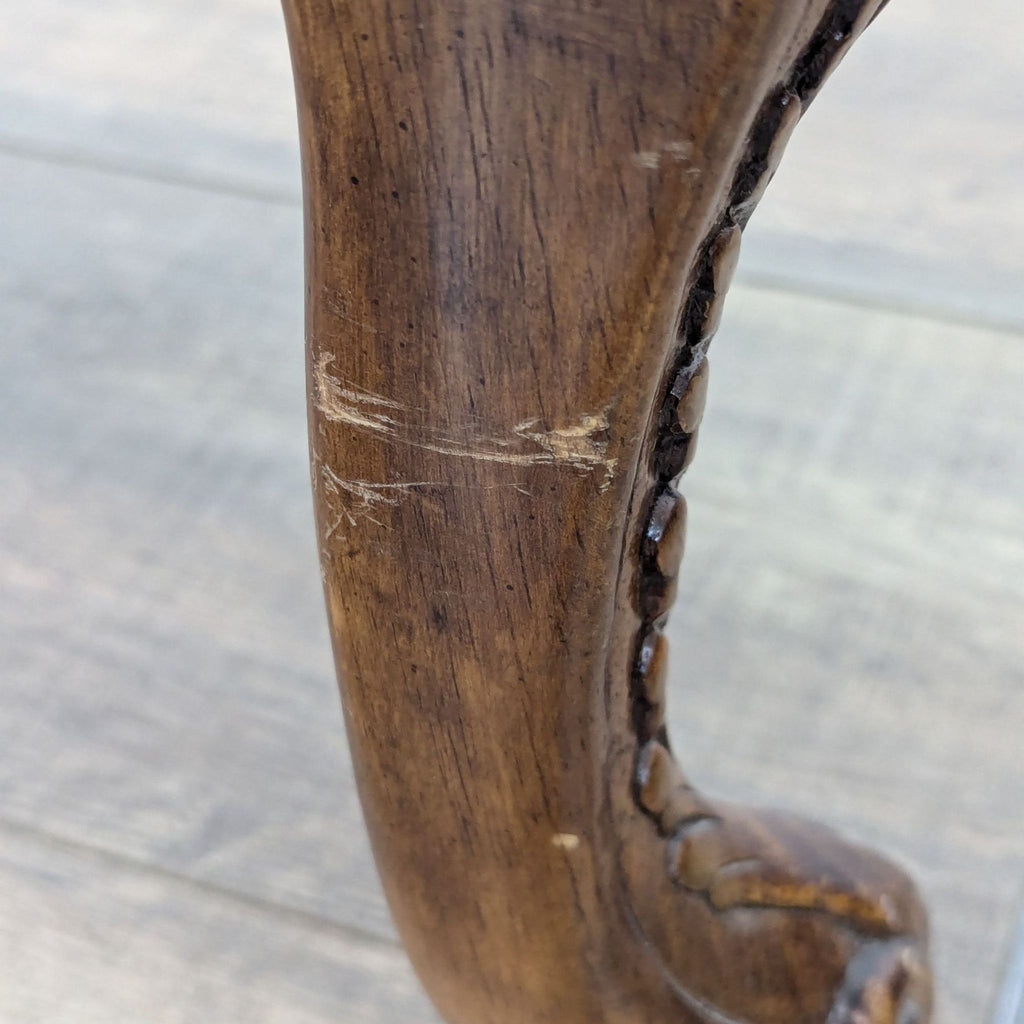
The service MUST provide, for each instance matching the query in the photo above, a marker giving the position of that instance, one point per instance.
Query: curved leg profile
(521, 219)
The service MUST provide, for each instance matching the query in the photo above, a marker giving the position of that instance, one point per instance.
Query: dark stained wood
(521, 224)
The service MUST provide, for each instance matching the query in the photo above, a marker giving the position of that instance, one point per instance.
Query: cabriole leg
(521, 219)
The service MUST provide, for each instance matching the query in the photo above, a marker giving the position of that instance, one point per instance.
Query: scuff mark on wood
(354, 500)
(565, 840)
(582, 445)
(344, 404)
(367, 498)
(650, 159)
(677, 152)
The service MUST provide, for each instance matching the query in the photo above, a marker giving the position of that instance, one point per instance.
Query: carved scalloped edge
(661, 790)
(673, 445)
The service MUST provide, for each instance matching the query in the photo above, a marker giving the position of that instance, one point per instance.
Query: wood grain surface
(166, 691)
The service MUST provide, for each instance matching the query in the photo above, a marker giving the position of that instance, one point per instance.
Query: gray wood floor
(179, 835)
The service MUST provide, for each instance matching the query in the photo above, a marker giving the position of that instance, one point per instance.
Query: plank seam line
(267, 907)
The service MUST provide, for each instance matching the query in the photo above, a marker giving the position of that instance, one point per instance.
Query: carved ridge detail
(733, 857)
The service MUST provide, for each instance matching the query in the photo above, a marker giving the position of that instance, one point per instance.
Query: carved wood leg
(521, 220)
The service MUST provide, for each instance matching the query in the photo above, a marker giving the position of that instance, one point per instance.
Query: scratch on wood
(565, 840)
(355, 500)
(343, 404)
(650, 159)
(582, 445)
(679, 152)
(367, 498)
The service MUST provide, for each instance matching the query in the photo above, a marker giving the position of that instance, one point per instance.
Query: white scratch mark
(678, 152)
(583, 445)
(369, 497)
(649, 159)
(342, 404)
(565, 840)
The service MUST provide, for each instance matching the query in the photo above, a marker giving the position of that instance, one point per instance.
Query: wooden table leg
(521, 219)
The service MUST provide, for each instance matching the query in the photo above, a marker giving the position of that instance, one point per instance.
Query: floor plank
(181, 89)
(90, 938)
(848, 641)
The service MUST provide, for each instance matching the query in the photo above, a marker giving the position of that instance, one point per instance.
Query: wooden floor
(179, 836)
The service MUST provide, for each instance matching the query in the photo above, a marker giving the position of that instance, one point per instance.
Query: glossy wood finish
(521, 224)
